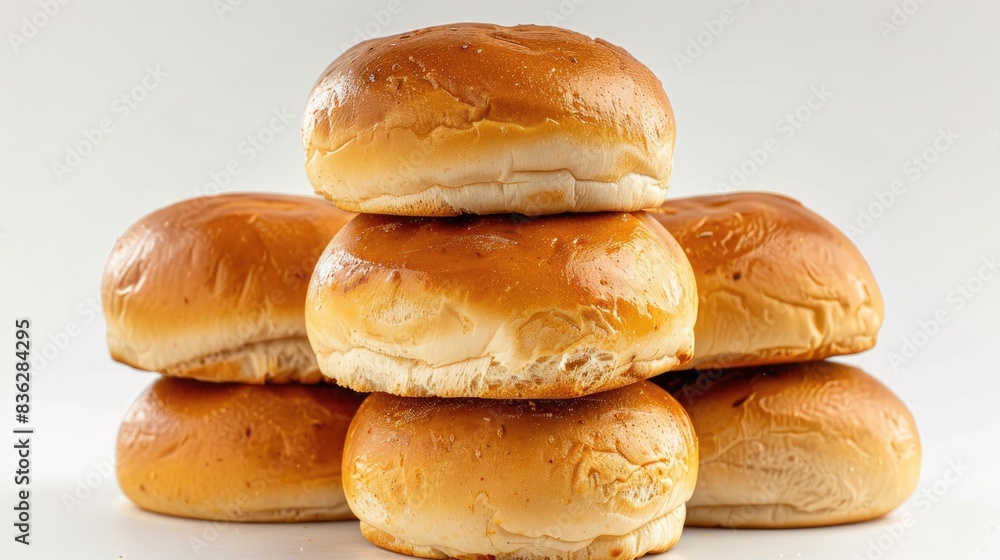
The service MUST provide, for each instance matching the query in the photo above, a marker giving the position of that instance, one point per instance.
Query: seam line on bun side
(491, 377)
(279, 360)
(594, 196)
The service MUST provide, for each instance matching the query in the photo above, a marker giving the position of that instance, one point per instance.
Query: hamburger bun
(603, 476)
(213, 288)
(776, 282)
(236, 452)
(796, 445)
(484, 119)
(500, 306)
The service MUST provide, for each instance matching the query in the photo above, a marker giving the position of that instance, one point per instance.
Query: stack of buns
(503, 295)
(505, 299)
(210, 292)
(786, 439)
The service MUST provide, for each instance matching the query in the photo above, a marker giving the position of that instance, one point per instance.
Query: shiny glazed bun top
(213, 288)
(776, 282)
(479, 118)
(501, 306)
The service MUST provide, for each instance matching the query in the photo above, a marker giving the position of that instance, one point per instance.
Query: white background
(892, 90)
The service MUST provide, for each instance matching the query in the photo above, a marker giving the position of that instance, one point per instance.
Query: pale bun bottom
(593, 370)
(552, 175)
(286, 360)
(278, 515)
(238, 512)
(773, 516)
(658, 535)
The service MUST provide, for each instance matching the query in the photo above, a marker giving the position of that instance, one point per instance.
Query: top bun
(776, 282)
(214, 288)
(484, 119)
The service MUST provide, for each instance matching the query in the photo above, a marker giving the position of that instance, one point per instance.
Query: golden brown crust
(796, 445)
(236, 452)
(776, 282)
(522, 479)
(213, 287)
(481, 118)
(500, 306)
